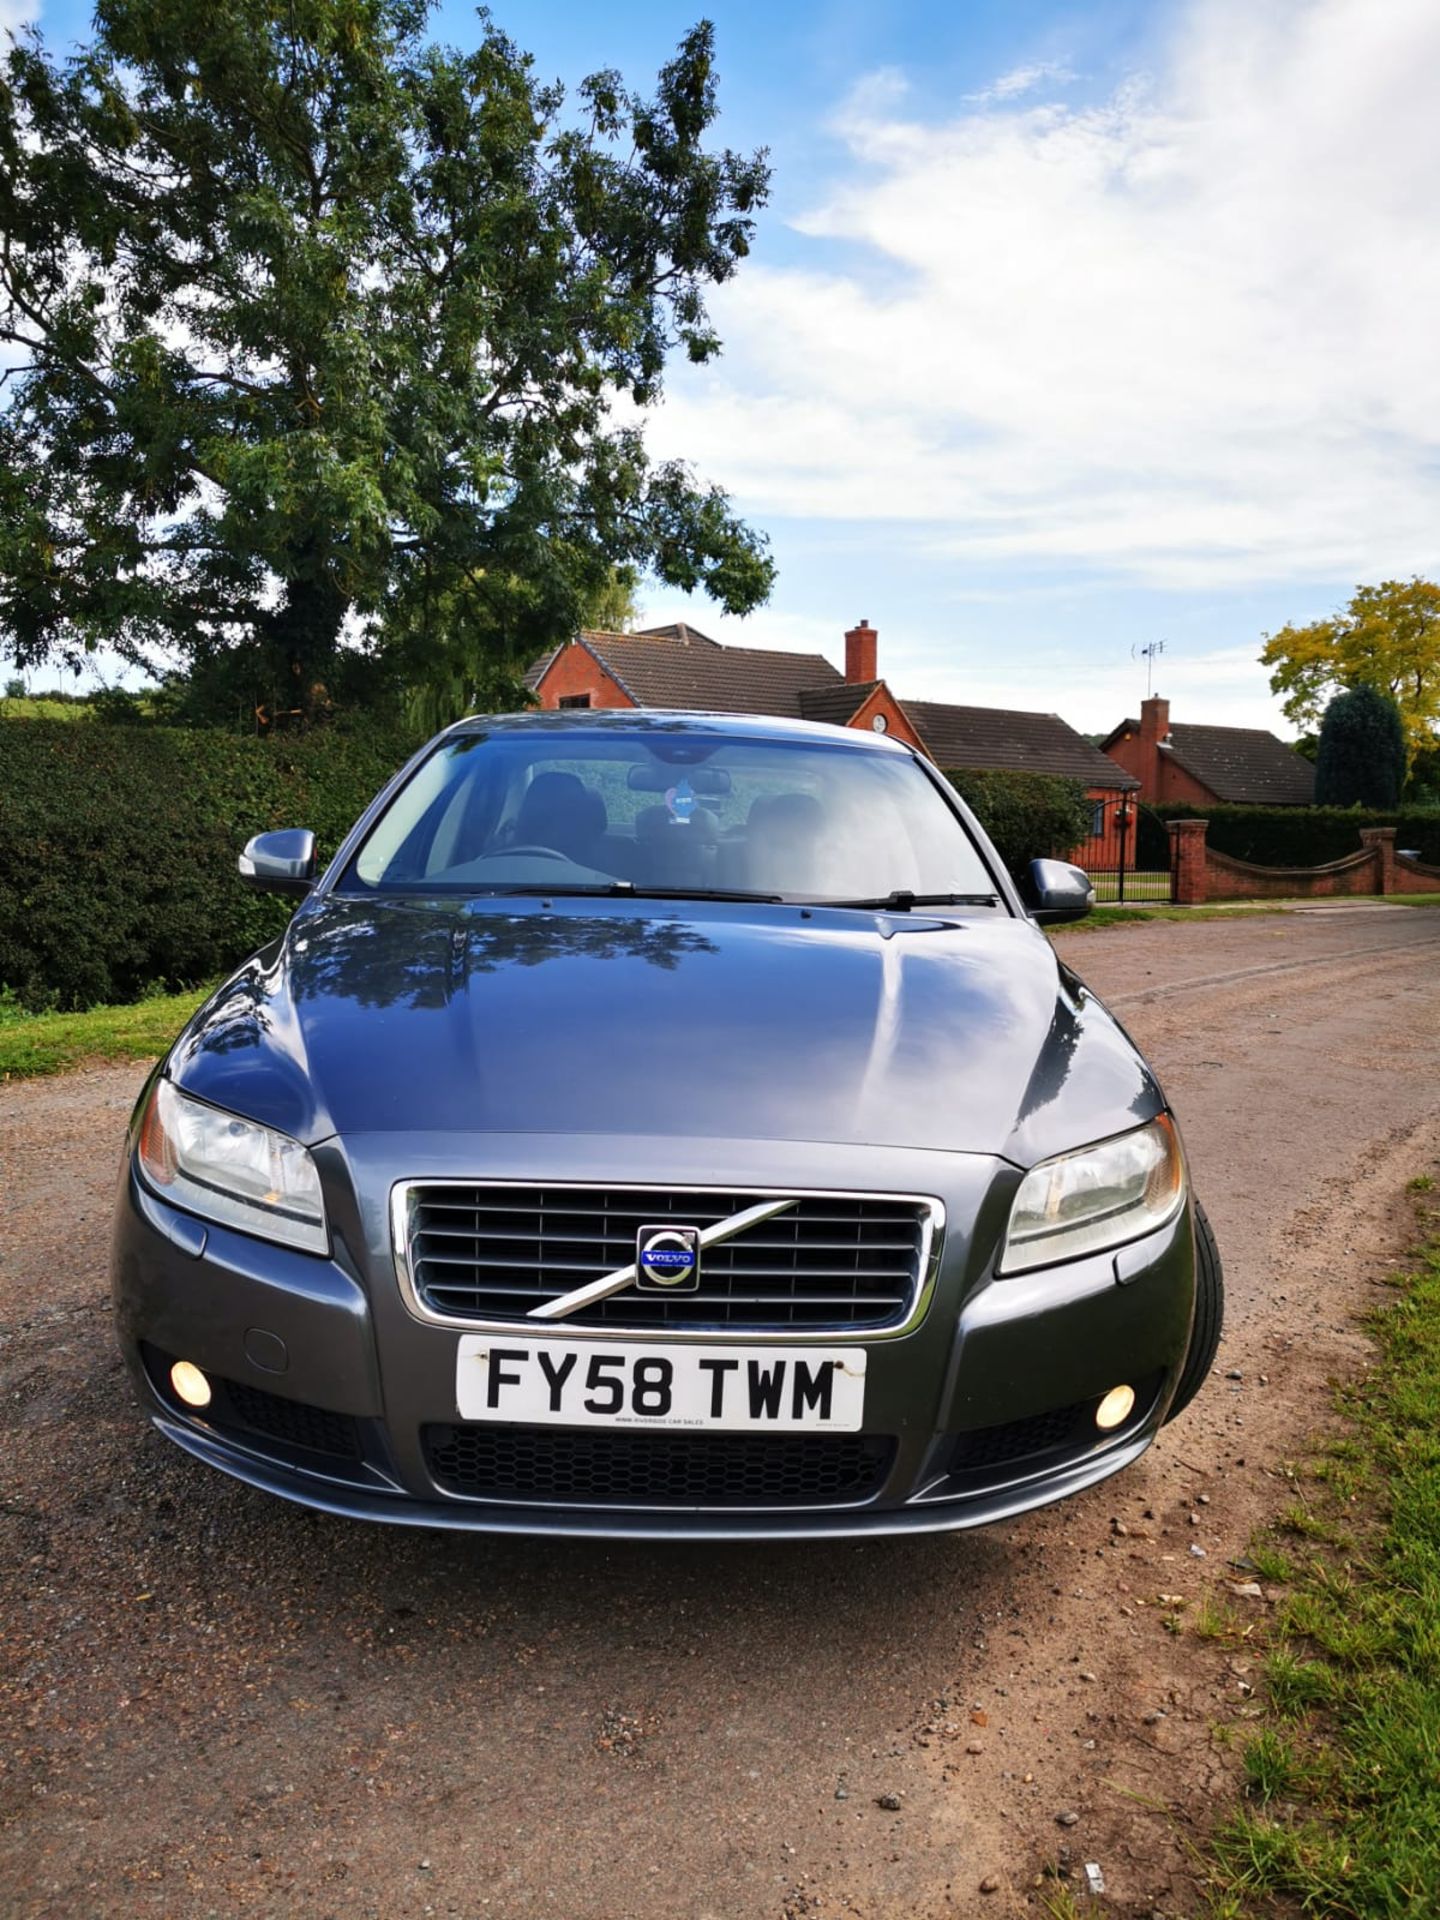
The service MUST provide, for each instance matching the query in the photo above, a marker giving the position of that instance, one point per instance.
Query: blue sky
(1070, 327)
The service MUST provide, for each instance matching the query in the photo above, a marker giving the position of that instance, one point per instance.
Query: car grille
(546, 1466)
(1016, 1439)
(293, 1421)
(830, 1261)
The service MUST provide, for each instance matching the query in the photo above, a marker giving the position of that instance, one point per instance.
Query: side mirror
(281, 862)
(1060, 892)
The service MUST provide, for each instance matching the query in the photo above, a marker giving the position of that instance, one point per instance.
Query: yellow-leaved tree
(1388, 637)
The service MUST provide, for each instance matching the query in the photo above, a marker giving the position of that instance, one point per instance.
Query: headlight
(232, 1171)
(1097, 1198)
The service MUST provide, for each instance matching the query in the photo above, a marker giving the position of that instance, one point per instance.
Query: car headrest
(793, 816)
(560, 811)
(594, 817)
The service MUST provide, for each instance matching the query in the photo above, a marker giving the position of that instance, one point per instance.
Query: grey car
(658, 1125)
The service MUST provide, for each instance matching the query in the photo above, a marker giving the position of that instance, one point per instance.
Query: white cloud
(1022, 80)
(1184, 337)
(17, 13)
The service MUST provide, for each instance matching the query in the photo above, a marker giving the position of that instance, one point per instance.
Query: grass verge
(1343, 1781)
(34, 1043)
(1112, 916)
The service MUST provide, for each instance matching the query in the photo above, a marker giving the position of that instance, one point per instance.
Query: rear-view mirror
(712, 782)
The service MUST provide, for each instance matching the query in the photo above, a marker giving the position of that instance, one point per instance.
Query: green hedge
(1029, 816)
(1306, 836)
(118, 846)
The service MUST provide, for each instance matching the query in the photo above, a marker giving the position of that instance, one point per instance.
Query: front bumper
(329, 1385)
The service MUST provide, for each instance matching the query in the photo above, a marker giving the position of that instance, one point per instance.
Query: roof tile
(1244, 765)
(984, 739)
(680, 630)
(838, 702)
(658, 672)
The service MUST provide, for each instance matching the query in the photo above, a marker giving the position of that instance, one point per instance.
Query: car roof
(578, 722)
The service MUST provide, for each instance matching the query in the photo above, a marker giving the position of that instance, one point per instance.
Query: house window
(1097, 819)
(573, 700)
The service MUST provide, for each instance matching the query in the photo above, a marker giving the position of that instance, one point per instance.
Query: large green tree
(322, 335)
(1388, 637)
(1360, 761)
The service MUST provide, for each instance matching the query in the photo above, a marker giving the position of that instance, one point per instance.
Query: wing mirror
(281, 862)
(1059, 891)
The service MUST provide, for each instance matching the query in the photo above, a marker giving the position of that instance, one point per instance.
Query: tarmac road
(211, 1703)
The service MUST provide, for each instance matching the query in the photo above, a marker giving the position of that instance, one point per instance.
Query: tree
(1361, 757)
(1388, 638)
(330, 337)
(612, 608)
(450, 677)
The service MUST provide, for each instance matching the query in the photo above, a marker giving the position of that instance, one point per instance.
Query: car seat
(674, 855)
(784, 843)
(560, 811)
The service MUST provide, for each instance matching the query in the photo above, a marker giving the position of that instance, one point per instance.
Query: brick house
(996, 739)
(1201, 766)
(677, 667)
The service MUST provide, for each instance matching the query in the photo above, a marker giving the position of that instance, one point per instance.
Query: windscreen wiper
(630, 891)
(504, 889)
(902, 900)
(620, 890)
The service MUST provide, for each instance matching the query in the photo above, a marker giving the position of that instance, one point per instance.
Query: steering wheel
(541, 853)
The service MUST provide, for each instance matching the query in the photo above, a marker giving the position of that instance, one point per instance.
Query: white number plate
(620, 1383)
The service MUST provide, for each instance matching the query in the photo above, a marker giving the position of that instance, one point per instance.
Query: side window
(405, 832)
(450, 847)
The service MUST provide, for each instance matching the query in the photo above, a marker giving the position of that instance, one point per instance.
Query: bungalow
(678, 667)
(1200, 766)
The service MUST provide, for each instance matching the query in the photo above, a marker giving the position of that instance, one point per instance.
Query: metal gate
(1130, 855)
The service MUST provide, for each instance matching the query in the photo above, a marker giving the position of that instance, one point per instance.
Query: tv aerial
(1149, 655)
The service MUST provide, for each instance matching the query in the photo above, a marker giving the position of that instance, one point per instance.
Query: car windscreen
(682, 813)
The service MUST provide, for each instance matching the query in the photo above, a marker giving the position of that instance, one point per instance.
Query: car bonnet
(691, 1019)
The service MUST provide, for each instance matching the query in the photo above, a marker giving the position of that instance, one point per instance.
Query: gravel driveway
(211, 1703)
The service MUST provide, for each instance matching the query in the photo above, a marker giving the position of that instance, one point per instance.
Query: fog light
(190, 1384)
(1115, 1408)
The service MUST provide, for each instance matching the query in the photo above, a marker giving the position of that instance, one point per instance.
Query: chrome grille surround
(631, 1315)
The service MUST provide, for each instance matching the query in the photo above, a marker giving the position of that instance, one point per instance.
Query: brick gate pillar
(1187, 861)
(1381, 842)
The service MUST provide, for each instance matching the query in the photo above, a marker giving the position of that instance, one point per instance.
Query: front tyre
(1209, 1315)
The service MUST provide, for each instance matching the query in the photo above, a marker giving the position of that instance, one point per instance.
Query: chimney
(860, 645)
(1154, 721)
